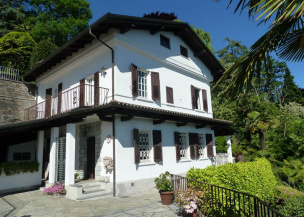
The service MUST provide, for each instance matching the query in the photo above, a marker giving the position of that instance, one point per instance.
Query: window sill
(144, 99)
(185, 160)
(170, 104)
(146, 163)
(203, 158)
(201, 111)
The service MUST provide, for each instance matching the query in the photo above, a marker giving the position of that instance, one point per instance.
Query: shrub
(58, 188)
(163, 182)
(255, 178)
(12, 168)
(290, 201)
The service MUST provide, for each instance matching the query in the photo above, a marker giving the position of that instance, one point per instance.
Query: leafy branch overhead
(285, 37)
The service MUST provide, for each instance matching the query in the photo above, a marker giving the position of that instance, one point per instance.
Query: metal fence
(220, 201)
(7, 73)
(76, 97)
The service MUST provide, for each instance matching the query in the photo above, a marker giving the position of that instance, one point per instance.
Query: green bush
(12, 168)
(255, 177)
(290, 201)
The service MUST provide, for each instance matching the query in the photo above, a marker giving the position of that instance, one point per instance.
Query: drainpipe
(113, 116)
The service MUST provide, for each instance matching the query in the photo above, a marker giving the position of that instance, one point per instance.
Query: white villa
(118, 109)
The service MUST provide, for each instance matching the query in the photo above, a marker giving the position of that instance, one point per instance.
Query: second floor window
(197, 99)
(142, 83)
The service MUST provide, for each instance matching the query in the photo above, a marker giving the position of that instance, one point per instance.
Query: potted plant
(165, 187)
(189, 200)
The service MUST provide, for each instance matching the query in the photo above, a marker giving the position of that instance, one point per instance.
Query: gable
(125, 24)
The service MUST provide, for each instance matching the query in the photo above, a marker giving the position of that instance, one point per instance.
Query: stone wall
(15, 97)
(86, 131)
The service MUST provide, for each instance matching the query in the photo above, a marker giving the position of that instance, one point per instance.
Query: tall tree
(291, 92)
(12, 16)
(285, 37)
(161, 15)
(59, 20)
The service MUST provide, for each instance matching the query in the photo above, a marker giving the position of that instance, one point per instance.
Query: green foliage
(12, 168)
(16, 49)
(163, 182)
(205, 36)
(59, 20)
(291, 201)
(161, 15)
(255, 178)
(42, 50)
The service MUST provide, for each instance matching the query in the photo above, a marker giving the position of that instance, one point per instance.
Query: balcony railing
(220, 201)
(77, 97)
(7, 73)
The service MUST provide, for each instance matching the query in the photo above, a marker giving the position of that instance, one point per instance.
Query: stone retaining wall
(15, 97)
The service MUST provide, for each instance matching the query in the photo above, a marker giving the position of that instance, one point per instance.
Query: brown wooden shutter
(134, 80)
(136, 146)
(48, 102)
(157, 146)
(209, 142)
(169, 92)
(177, 145)
(59, 98)
(205, 101)
(155, 84)
(82, 93)
(193, 143)
(96, 89)
(193, 100)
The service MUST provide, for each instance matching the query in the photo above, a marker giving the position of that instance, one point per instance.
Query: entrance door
(91, 157)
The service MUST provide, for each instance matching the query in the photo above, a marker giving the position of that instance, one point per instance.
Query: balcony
(78, 97)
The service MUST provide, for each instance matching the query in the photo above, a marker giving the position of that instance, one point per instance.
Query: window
(89, 91)
(197, 99)
(169, 95)
(164, 41)
(201, 145)
(144, 146)
(184, 51)
(183, 145)
(142, 83)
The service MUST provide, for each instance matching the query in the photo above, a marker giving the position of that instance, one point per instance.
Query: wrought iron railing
(7, 73)
(77, 97)
(220, 201)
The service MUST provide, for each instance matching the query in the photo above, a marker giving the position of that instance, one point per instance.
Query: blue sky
(208, 15)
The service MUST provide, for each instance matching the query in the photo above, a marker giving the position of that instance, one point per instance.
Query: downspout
(113, 116)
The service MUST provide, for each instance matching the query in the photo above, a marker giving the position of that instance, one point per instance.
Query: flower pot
(167, 197)
(194, 214)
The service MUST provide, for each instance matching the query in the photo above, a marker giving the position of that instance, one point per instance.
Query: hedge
(255, 178)
(12, 168)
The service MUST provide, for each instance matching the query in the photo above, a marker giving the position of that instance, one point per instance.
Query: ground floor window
(201, 145)
(183, 145)
(144, 146)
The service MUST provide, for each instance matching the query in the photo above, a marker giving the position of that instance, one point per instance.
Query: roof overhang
(124, 24)
(220, 127)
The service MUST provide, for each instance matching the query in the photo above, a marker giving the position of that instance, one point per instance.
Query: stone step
(92, 191)
(91, 188)
(95, 195)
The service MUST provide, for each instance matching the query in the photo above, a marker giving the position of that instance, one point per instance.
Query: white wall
(23, 147)
(19, 181)
(127, 170)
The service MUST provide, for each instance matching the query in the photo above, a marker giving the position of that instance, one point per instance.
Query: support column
(70, 154)
(229, 149)
(40, 144)
(54, 136)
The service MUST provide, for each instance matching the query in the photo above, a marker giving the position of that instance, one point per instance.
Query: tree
(59, 20)
(16, 49)
(290, 91)
(285, 37)
(161, 15)
(12, 16)
(42, 50)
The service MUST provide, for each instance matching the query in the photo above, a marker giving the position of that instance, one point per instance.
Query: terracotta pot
(167, 197)
(194, 214)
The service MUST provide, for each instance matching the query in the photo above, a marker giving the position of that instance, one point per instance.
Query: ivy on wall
(13, 168)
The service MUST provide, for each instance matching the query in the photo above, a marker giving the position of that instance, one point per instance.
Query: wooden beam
(158, 121)
(177, 33)
(104, 118)
(199, 52)
(156, 30)
(126, 118)
(180, 124)
(200, 126)
(126, 28)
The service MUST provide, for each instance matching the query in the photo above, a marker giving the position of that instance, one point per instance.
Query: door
(90, 92)
(91, 158)
(60, 159)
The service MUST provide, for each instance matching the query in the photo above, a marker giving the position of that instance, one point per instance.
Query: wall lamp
(103, 71)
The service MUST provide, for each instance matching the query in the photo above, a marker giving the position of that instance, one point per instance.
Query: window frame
(90, 91)
(202, 145)
(165, 44)
(150, 140)
(197, 98)
(186, 140)
(185, 49)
